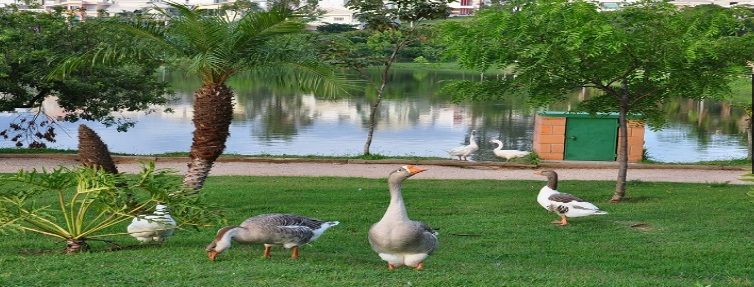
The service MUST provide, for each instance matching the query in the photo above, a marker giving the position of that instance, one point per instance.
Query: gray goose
(396, 238)
(288, 230)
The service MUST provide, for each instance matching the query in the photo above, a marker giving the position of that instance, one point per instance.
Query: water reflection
(414, 120)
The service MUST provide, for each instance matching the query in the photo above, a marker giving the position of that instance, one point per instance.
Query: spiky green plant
(76, 205)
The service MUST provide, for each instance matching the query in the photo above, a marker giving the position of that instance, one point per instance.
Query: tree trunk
(93, 151)
(75, 246)
(620, 184)
(213, 111)
(373, 120)
(380, 91)
(748, 133)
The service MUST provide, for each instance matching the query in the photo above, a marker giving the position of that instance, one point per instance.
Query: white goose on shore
(288, 230)
(507, 154)
(564, 204)
(154, 227)
(396, 238)
(462, 152)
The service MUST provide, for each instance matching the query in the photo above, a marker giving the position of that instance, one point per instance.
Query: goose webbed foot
(563, 221)
(420, 266)
(390, 267)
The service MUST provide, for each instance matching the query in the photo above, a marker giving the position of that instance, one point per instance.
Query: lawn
(492, 233)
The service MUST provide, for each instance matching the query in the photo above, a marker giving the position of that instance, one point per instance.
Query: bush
(76, 205)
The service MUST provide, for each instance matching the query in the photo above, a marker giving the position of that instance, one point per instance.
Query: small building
(581, 136)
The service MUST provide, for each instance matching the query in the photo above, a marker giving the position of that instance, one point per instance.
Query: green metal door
(591, 139)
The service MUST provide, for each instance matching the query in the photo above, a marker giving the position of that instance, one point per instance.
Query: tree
(215, 49)
(638, 56)
(393, 25)
(33, 43)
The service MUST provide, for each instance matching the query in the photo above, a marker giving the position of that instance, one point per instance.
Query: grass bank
(492, 233)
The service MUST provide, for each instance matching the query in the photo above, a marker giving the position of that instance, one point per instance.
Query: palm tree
(215, 48)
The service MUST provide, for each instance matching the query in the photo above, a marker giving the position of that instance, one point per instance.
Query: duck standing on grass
(154, 227)
(564, 204)
(462, 152)
(396, 238)
(288, 230)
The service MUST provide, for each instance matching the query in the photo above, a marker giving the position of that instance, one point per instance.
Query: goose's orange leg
(563, 220)
(390, 267)
(267, 249)
(294, 252)
(420, 266)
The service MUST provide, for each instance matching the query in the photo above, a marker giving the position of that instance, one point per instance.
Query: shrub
(82, 204)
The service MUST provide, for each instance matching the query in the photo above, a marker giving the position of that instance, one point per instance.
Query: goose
(507, 154)
(396, 238)
(288, 230)
(564, 204)
(155, 227)
(465, 150)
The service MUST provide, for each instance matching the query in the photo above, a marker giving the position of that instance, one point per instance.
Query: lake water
(414, 120)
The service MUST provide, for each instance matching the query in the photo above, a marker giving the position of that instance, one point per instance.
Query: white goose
(507, 154)
(155, 227)
(288, 230)
(465, 150)
(564, 204)
(396, 238)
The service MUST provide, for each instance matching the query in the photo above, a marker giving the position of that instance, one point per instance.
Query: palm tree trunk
(75, 246)
(620, 184)
(213, 111)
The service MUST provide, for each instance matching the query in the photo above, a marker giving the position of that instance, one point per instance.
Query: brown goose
(564, 204)
(288, 230)
(396, 238)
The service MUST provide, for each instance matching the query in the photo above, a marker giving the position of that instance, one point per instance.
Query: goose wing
(564, 201)
(424, 239)
(286, 227)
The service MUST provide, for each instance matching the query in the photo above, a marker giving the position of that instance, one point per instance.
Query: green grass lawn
(492, 233)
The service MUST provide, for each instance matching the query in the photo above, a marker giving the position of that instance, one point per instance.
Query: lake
(415, 119)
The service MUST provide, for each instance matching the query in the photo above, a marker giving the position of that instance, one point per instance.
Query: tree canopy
(638, 56)
(33, 43)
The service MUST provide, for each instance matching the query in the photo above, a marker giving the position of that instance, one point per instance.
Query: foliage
(214, 49)
(638, 56)
(335, 28)
(239, 8)
(492, 233)
(33, 43)
(84, 203)
(559, 46)
(393, 25)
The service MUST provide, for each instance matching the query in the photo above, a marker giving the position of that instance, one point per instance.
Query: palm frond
(310, 76)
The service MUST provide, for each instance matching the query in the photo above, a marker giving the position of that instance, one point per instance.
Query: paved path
(9, 165)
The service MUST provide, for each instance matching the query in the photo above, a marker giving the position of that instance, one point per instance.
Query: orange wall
(549, 138)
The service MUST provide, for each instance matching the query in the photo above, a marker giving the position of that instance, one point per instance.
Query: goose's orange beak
(212, 255)
(412, 169)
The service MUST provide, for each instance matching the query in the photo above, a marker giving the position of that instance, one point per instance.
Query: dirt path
(10, 165)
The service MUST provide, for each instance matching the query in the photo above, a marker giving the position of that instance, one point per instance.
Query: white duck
(288, 230)
(507, 154)
(564, 204)
(154, 227)
(396, 238)
(465, 150)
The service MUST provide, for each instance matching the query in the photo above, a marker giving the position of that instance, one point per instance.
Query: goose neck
(552, 181)
(397, 209)
(499, 145)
